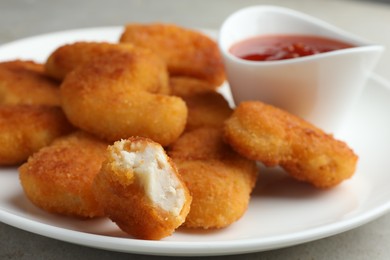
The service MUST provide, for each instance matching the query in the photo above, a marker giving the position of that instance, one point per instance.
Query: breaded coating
(140, 189)
(59, 177)
(206, 107)
(274, 137)
(187, 52)
(24, 129)
(204, 143)
(219, 179)
(67, 57)
(187, 86)
(24, 82)
(115, 97)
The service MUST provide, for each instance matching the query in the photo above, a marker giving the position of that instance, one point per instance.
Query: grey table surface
(23, 18)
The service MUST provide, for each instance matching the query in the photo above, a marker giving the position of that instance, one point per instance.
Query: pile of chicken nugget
(135, 131)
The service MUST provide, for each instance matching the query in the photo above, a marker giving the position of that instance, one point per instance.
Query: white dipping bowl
(320, 88)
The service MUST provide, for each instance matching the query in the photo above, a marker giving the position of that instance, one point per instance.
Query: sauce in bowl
(282, 47)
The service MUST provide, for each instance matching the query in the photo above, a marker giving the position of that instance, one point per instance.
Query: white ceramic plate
(282, 212)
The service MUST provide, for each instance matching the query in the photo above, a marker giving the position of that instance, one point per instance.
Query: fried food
(24, 129)
(187, 52)
(275, 137)
(67, 57)
(24, 82)
(187, 86)
(206, 107)
(115, 97)
(59, 177)
(140, 189)
(219, 179)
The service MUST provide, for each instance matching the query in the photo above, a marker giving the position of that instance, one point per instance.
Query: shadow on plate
(275, 182)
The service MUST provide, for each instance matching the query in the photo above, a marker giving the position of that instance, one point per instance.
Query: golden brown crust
(67, 57)
(182, 86)
(115, 97)
(187, 52)
(59, 177)
(24, 129)
(202, 144)
(206, 107)
(220, 180)
(274, 137)
(125, 201)
(220, 191)
(24, 82)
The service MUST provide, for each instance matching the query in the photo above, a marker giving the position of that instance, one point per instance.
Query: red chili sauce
(281, 47)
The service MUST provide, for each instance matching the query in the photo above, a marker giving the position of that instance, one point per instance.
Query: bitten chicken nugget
(140, 189)
(59, 177)
(24, 129)
(187, 52)
(219, 179)
(275, 137)
(115, 97)
(24, 82)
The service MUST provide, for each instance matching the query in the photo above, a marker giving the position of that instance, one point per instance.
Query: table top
(23, 18)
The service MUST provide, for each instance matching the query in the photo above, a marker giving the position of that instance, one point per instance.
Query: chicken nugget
(220, 180)
(24, 129)
(59, 177)
(113, 97)
(140, 189)
(187, 52)
(148, 69)
(24, 82)
(187, 86)
(275, 137)
(67, 57)
(208, 109)
(204, 143)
